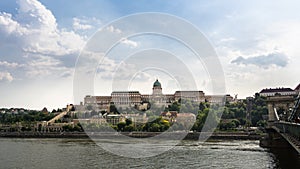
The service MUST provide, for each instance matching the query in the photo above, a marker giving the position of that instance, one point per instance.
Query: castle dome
(156, 83)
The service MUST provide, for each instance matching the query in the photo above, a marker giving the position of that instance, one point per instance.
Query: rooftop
(272, 90)
(156, 83)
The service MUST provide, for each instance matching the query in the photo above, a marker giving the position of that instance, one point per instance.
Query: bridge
(283, 122)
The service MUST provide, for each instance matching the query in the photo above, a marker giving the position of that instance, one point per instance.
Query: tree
(259, 109)
(113, 109)
(175, 107)
(236, 122)
(121, 126)
(261, 123)
(201, 106)
(154, 127)
(89, 107)
(67, 128)
(129, 128)
(128, 122)
(77, 128)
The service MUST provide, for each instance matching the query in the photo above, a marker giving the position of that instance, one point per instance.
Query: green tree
(154, 127)
(128, 122)
(113, 109)
(121, 126)
(129, 128)
(175, 107)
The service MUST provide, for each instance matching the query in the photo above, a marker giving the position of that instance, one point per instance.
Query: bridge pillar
(273, 140)
(274, 137)
(278, 101)
(271, 114)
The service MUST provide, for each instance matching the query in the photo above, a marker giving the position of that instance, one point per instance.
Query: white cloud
(9, 26)
(33, 15)
(6, 76)
(285, 37)
(227, 39)
(35, 29)
(128, 42)
(38, 41)
(264, 61)
(81, 24)
(268, 44)
(10, 64)
(47, 66)
(112, 29)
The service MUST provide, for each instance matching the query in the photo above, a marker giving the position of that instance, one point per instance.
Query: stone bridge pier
(282, 132)
(276, 103)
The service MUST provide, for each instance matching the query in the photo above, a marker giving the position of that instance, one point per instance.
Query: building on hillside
(44, 126)
(186, 118)
(136, 99)
(114, 119)
(277, 91)
(170, 116)
(218, 98)
(197, 96)
(297, 89)
(99, 121)
(137, 118)
(126, 98)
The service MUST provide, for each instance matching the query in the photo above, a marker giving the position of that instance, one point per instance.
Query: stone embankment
(189, 136)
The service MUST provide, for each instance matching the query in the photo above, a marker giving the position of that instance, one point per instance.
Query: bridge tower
(249, 109)
(283, 131)
(277, 102)
(294, 117)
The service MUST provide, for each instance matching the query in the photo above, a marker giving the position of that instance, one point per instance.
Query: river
(85, 154)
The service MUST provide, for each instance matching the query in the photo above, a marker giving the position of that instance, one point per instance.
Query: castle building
(135, 98)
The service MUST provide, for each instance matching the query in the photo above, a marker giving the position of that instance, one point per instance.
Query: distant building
(173, 116)
(186, 118)
(197, 96)
(126, 98)
(218, 98)
(297, 89)
(277, 91)
(136, 99)
(114, 119)
(170, 115)
(137, 118)
(99, 121)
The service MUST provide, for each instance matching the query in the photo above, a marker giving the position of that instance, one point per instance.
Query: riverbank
(189, 136)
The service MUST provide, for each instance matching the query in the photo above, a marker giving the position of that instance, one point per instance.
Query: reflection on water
(285, 158)
(83, 153)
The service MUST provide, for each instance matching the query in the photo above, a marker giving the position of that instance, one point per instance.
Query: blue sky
(256, 41)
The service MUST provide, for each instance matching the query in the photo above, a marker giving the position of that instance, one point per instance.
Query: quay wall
(189, 136)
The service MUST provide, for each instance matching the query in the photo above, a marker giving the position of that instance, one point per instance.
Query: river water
(85, 154)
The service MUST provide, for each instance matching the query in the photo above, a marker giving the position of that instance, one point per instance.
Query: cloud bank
(36, 41)
(263, 61)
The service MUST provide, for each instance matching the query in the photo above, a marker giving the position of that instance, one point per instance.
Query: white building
(277, 91)
(134, 98)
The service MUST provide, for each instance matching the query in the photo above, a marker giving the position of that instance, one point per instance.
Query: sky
(40, 42)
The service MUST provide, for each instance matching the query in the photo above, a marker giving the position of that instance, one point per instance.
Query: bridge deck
(290, 139)
(285, 126)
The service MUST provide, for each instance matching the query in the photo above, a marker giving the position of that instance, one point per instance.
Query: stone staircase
(59, 116)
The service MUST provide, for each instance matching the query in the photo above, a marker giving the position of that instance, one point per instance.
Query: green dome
(156, 84)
